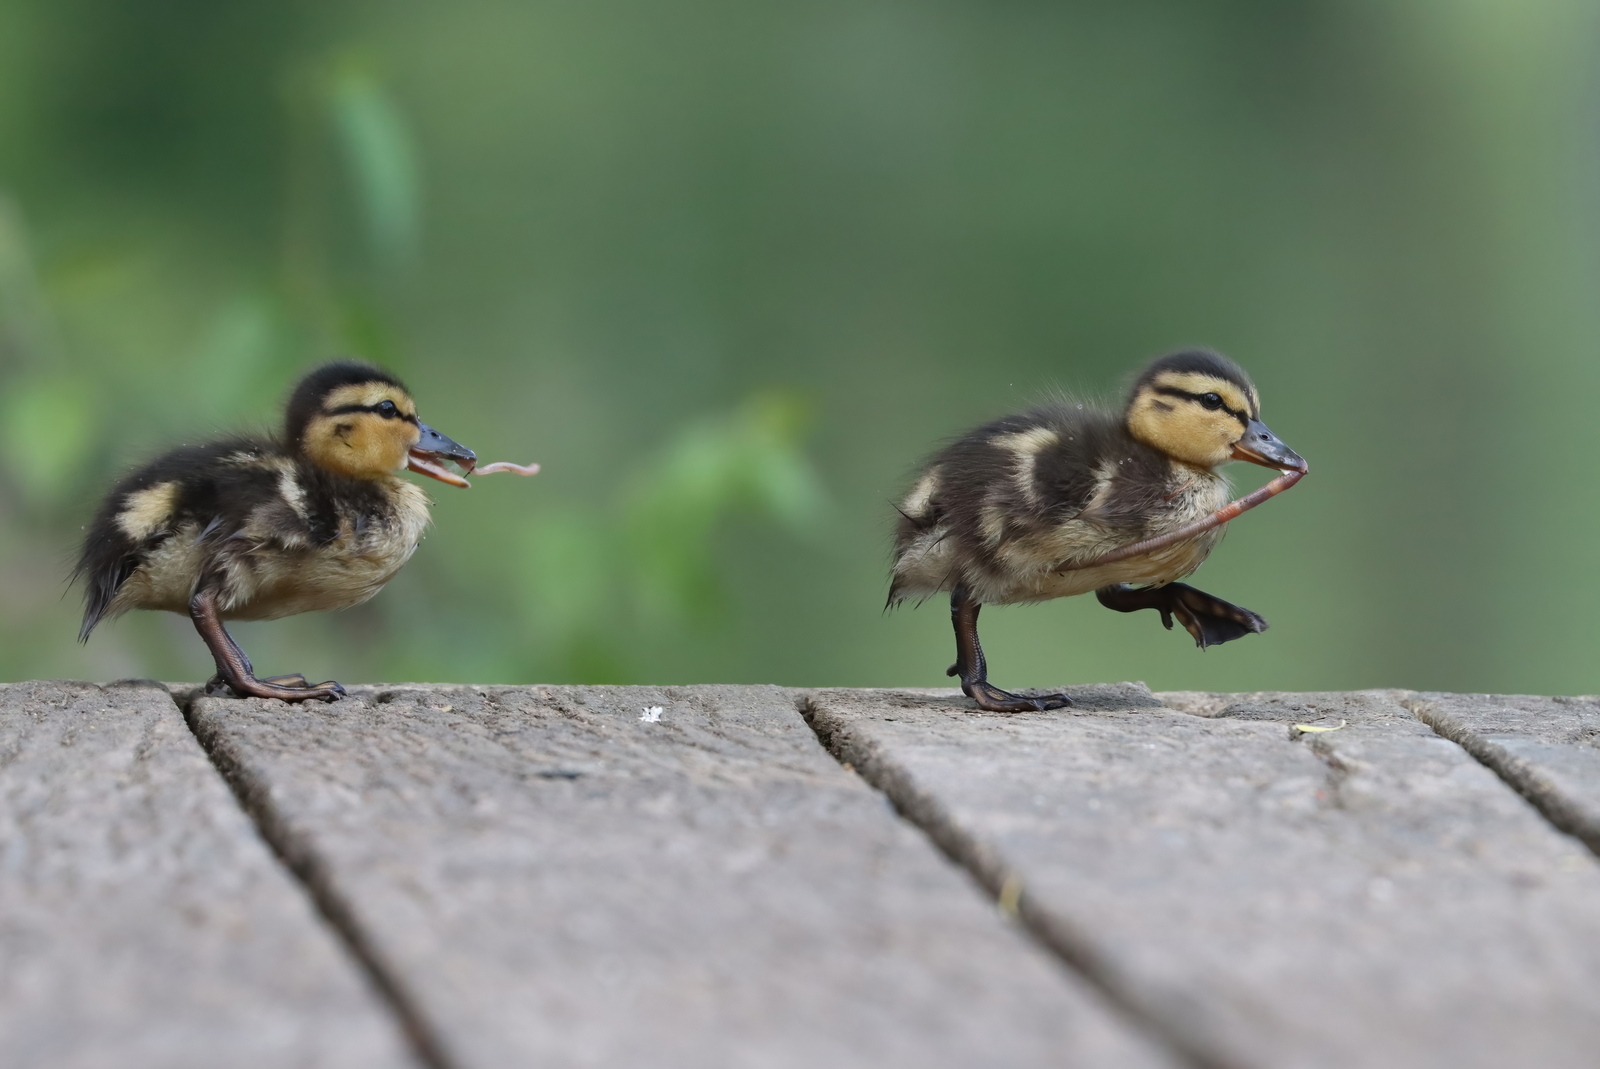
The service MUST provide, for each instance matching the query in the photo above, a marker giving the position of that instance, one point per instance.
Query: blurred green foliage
(382, 164)
(727, 270)
(604, 579)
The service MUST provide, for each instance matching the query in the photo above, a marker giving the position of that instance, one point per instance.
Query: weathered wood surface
(1547, 748)
(143, 922)
(538, 876)
(1369, 895)
(555, 880)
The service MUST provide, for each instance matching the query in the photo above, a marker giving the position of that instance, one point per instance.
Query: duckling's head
(359, 421)
(1199, 407)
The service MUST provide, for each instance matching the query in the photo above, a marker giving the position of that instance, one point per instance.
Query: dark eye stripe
(342, 409)
(1173, 391)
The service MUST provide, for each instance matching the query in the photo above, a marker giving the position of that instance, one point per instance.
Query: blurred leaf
(567, 569)
(48, 431)
(749, 462)
(378, 150)
(238, 358)
(364, 330)
(778, 476)
(27, 335)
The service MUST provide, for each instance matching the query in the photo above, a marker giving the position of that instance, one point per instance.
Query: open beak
(427, 457)
(1261, 446)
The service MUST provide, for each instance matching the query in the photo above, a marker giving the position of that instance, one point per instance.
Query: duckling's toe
(322, 692)
(217, 686)
(990, 697)
(292, 688)
(1211, 620)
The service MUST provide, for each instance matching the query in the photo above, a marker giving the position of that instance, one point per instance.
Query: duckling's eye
(1211, 400)
(387, 409)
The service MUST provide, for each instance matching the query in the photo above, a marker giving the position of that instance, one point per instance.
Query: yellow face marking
(362, 445)
(1196, 382)
(147, 511)
(1182, 427)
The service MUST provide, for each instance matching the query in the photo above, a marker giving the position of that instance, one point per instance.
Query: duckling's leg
(1210, 620)
(217, 686)
(974, 669)
(234, 668)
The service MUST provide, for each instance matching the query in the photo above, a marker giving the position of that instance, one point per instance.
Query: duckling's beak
(1261, 446)
(432, 449)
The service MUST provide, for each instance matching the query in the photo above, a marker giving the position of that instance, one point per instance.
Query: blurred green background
(729, 268)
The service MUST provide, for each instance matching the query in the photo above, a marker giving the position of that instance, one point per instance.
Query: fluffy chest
(276, 576)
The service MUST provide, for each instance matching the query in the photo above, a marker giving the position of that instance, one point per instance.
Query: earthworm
(1227, 512)
(506, 465)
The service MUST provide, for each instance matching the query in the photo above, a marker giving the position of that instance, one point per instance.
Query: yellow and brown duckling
(1010, 512)
(256, 528)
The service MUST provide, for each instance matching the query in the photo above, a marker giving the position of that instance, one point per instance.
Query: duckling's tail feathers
(104, 573)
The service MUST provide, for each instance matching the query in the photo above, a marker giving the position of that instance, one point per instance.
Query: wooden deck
(737, 876)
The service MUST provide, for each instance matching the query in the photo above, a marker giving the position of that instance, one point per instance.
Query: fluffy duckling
(256, 528)
(1009, 512)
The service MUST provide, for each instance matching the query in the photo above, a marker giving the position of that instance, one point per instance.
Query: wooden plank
(555, 877)
(143, 922)
(1365, 896)
(1544, 748)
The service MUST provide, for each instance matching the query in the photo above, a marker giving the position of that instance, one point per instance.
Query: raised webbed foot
(1210, 620)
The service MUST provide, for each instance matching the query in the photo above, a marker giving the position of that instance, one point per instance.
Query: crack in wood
(1003, 886)
(1560, 811)
(303, 866)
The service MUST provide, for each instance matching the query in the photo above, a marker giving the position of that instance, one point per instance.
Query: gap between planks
(1056, 935)
(925, 812)
(1559, 811)
(302, 865)
(912, 804)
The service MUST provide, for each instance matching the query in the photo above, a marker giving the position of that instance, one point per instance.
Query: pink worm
(1216, 519)
(506, 465)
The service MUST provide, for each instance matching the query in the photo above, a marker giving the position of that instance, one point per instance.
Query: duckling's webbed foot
(993, 699)
(217, 687)
(235, 674)
(973, 669)
(1210, 620)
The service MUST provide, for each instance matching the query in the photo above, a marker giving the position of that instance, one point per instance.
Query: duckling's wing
(136, 517)
(1002, 482)
(176, 495)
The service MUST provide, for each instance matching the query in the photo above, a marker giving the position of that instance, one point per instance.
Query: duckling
(1024, 508)
(255, 528)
